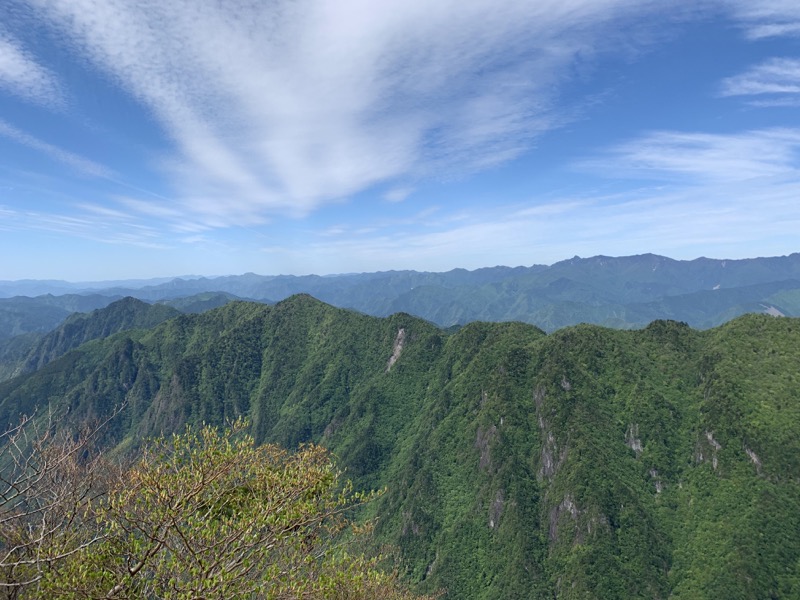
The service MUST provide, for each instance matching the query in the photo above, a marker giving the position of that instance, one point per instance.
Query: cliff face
(663, 462)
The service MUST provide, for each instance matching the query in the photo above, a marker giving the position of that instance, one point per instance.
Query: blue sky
(154, 138)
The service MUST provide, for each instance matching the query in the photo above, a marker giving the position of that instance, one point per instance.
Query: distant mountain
(79, 328)
(21, 314)
(623, 292)
(33, 349)
(39, 287)
(201, 302)
(709, 308)
(589, 463)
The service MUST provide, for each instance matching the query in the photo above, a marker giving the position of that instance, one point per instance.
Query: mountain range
(589, 462)
(621, 292)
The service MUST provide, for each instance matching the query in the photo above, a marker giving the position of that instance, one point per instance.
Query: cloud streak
(778, 79)
(724, 220)
(702, 157)
(89, 223)
(75, 161)
(767, 18)
(23, 76)
(281, 107)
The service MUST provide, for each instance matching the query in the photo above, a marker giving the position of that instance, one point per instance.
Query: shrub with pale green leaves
(204, 514)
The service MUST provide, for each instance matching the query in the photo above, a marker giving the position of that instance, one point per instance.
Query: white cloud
(767, 18)
(75, 161)
(702, 156)
(775, 76)
(733, 220)
(23, 76)
(104, 211)
(398, 194)
(784, 102)
(92, 223)
(283, 106)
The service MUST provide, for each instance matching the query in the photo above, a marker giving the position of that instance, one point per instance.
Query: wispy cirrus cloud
(75, 161)
(712, 218)
(775, 82)
(398, 194)
(88, 223)
(767, 18)
(727, 193)
(23, 76)
(702, 157)
(281, 107)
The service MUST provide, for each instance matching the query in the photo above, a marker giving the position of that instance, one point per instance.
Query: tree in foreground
(201, 515)
(48, 484)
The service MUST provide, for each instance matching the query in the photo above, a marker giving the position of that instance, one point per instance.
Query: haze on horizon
(154, 138)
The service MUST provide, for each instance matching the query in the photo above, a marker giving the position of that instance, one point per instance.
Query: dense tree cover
(201, 302)
(202, 514)
(79, 328)
(28, 352)
(22, 314)
(586, 463)
(624, 292)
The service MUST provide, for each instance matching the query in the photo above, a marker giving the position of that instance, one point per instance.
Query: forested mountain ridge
(79, 328)
(21, 314)
(34, 347)
(624, 292)
(24, 321)
(663, 462)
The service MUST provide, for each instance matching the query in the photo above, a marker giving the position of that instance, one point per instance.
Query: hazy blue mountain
(40, 287)
(201, 302)
(622, 292)
(22, 314)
